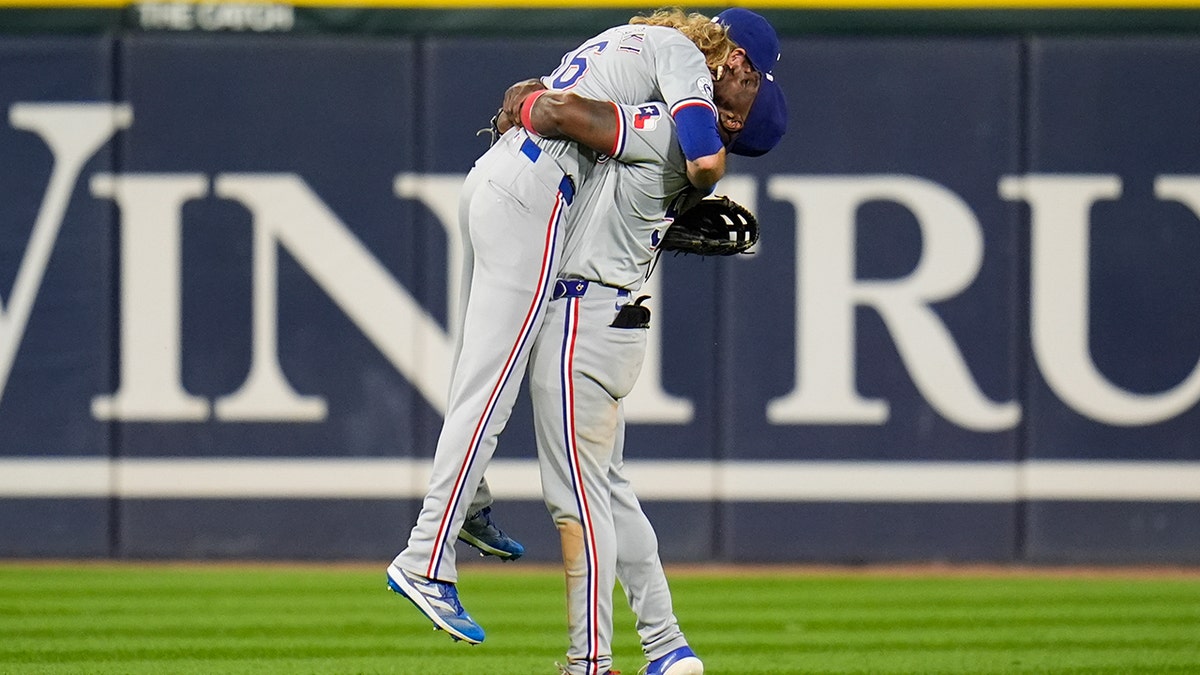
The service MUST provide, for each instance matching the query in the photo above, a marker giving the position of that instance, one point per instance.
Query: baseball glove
(714, 226)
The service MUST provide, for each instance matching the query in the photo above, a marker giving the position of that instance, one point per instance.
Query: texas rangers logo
(646, 117)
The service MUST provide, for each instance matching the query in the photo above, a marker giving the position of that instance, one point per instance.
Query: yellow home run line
(642, 4)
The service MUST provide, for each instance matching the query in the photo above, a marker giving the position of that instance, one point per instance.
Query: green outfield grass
(112, 618)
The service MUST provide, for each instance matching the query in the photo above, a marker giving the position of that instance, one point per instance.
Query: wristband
(527, 109)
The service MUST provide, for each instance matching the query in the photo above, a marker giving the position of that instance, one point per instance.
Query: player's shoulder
(647, 135)
(648, 116)
(650, 108)
(666, 36)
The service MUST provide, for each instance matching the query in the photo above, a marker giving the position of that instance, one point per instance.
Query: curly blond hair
(708, 36)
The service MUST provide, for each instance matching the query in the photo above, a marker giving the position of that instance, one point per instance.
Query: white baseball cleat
(437, 600)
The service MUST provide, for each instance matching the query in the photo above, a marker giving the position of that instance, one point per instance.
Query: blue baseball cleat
(437, 600)
(479, 531)
(682, 661)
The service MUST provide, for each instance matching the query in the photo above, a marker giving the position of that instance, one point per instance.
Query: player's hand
(504, 122)
(515, 96)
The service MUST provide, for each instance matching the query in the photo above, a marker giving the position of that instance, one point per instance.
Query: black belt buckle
(633, 315)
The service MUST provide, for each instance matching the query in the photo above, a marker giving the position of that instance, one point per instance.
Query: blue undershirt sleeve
(696, 127)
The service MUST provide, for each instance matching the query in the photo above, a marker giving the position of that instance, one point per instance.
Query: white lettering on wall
(73, 132)
(827, 294)
(287, 214)
(1059, 280)
(150, 386)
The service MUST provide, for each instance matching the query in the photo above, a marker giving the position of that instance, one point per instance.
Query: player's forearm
(561, 114)
(704, 172)
(700, 139)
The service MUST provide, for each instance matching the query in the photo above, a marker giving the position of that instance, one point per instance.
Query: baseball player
(587, 357)
(512, 207)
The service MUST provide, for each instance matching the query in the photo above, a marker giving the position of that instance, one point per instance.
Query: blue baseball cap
(766, 123)
(754, 34)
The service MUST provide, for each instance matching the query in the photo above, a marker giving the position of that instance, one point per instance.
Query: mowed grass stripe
(260, 620)
(306, 619)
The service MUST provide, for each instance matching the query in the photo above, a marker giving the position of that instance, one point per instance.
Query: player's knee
(570, 534)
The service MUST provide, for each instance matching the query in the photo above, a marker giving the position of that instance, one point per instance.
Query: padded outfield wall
(227, 255)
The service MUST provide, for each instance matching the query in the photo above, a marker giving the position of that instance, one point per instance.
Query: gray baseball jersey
(585, 359)
(622, 212)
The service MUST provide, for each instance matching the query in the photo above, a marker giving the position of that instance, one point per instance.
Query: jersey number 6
(574, 65)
